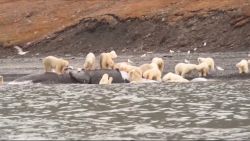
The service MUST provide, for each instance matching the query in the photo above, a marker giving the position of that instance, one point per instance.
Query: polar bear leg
(241, 69)
(246, 69)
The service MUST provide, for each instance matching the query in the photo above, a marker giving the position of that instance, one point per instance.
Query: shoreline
(12, 68)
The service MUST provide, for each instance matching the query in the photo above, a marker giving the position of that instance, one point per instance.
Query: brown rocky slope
(129, 26)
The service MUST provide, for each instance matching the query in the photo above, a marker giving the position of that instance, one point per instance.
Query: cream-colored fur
(242, 66)
(106, 60)
(153, 74)
(135, 75)
(171, 77)
(124, 66)
(159, 62)
(106, 79)
(183, 69)
(89, 63)
(145, 67)
(203, 69)
(156, 60)
(58, 64)
(208, 60)
(113, 54)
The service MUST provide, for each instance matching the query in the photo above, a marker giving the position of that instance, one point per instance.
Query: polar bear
(135, 75)
(203, 69)
(145, 67)
(1, 80)
(171, 77)
(182, 68)
(242, 66)
(106, 60)
(89, 63)
(153, 74)
(159, 62)
(156, 60)
(106, 79)
(59, 64)
(124, 66)
(208, 60)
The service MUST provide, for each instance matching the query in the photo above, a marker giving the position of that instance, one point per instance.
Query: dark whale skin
(82, 77)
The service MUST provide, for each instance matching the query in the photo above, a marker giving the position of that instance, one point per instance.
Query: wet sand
(13, 68)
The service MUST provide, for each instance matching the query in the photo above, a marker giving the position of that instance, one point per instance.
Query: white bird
(195, 49)
(70, 67)
(144, 55)
(205, 43)
(219, 68)
(171, 51)
(149, 52)
(186, 61)
(199, 79)
(20, 51)
(188, 52)
(248, 55)
(130, 62)
(79, 69)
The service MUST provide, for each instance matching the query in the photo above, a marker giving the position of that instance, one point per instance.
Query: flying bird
(186, 61)
(219, 68)
(171, 51)
(131, 62)
(188, 52)
(195, 49)
(20, 50)
(144, 55)
(205, 43)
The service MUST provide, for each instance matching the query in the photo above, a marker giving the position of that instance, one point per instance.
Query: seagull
(70, 67)
(188, 52)
(79, 69)
(144, 55)
(195, 49)
(205, 43)
(219, 68)
(20, 51)
(186, 61)
(171, 51)
(131, 62)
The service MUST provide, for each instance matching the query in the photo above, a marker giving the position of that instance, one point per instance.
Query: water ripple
(207, 110)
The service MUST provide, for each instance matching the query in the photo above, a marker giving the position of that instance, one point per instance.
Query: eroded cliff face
(76, 26)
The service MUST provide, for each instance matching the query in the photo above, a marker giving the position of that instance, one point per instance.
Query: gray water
(204, 110)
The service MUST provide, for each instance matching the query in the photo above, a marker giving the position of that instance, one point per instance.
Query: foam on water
(20, 83)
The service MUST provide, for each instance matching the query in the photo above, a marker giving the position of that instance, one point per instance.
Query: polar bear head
(135, 74)
(113, 54)
(159, 62)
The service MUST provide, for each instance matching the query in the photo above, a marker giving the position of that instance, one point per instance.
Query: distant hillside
(25, 21)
